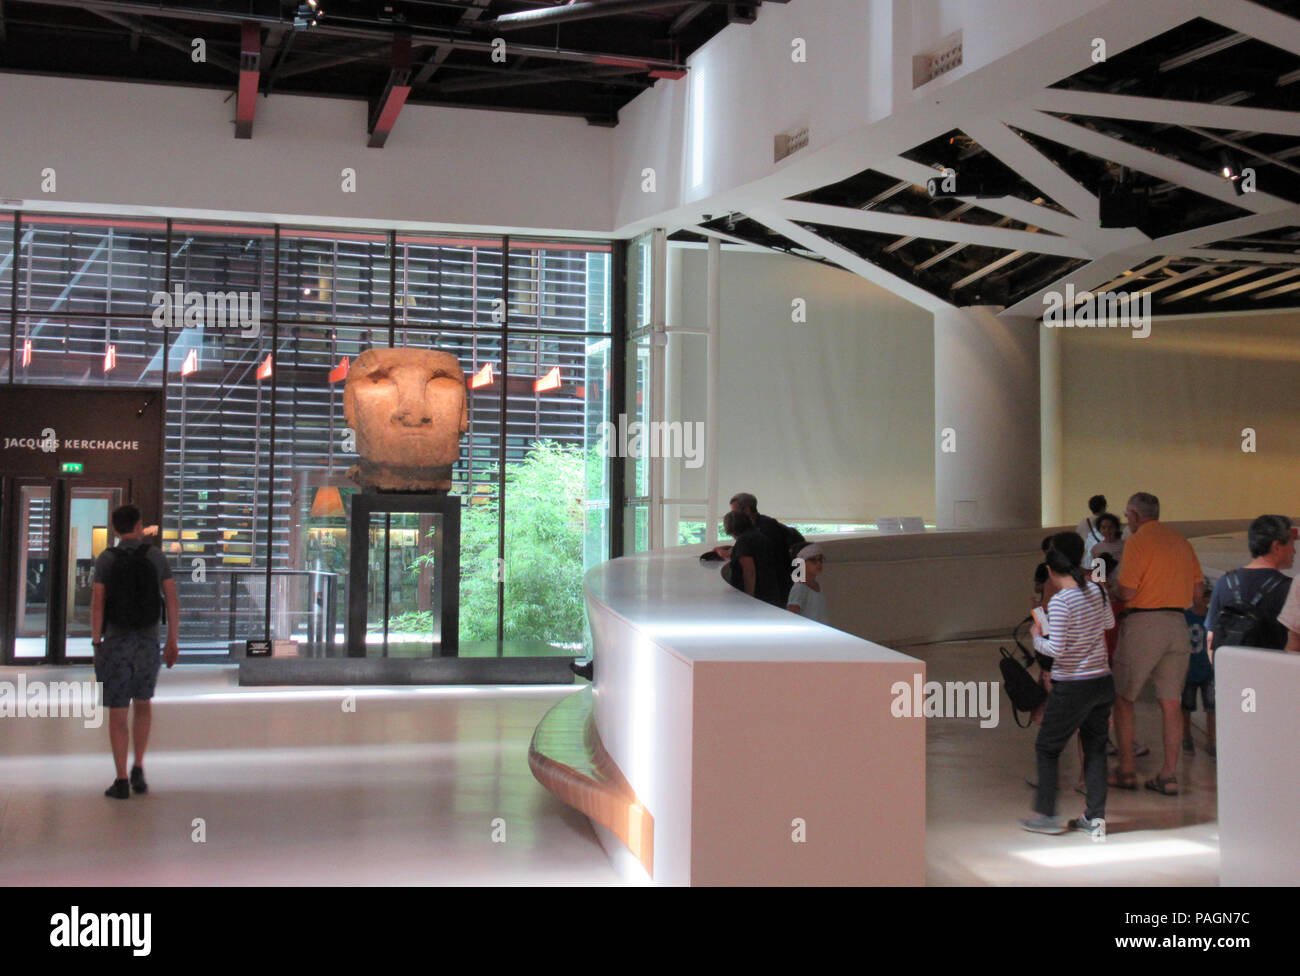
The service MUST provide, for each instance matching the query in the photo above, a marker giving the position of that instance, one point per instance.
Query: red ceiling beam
(250, 73)
(384, 114)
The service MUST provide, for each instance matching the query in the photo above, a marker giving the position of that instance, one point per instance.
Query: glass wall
(256, 490)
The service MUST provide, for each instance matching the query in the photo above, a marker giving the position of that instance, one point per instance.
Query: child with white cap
(806, 596)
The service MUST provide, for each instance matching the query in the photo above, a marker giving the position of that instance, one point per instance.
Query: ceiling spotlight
(1231, 171)
(308, 15)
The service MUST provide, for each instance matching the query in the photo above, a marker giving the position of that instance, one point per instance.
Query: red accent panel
(388, 115)
(249, 78)
(622, 62)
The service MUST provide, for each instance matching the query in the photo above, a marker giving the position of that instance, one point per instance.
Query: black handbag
(1025, 693)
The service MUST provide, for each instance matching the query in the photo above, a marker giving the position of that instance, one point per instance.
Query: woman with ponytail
(1081, 690)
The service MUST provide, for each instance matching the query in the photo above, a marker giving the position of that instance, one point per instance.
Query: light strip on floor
(1109, 852)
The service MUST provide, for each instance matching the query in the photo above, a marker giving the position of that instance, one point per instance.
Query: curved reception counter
(726, 741)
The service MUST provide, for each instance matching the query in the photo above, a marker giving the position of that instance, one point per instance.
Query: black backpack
(1242, 624)
(1025, 693)
(131, 597)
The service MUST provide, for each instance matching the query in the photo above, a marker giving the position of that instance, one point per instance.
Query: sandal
(1167, 787)
(1122, 781)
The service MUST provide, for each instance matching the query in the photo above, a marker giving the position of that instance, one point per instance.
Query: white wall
(858, 72)
(146, 148)
(1165, 414)
(839, 410)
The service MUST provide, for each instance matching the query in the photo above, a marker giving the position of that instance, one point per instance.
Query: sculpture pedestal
(388, 533)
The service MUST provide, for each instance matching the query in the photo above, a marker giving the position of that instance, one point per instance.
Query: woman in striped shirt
(1081, 690)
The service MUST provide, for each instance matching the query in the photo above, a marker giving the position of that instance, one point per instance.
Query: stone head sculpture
(408, 408)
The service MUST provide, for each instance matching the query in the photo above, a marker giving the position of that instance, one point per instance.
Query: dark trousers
(1083, 707)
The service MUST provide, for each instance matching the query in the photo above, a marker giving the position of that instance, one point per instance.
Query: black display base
(352, 671)
(364, 506)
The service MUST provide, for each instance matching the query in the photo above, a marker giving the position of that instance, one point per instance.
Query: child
(806, 597)
(1200, 674)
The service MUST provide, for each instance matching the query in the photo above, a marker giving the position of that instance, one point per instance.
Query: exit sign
(72, 467)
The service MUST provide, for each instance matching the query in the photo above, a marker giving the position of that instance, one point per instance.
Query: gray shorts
(127, 666)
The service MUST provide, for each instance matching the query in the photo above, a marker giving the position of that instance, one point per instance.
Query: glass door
(62, 527)
(31, 577)
(89, 532)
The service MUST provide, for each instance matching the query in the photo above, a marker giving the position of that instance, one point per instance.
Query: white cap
(810, 550)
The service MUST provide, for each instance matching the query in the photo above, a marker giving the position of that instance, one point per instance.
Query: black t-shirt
(753, 543)
(780, 540)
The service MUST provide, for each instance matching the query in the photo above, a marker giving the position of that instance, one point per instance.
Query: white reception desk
(763, 745)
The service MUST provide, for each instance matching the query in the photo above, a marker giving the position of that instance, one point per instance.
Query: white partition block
(1257, 694)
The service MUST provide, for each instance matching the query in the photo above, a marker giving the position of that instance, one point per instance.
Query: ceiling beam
(319, 62)
(383, 114)
(162, 35)
(584, 10)
(1026, 161)
(1215, 282)
(613, 76)
(1088, 276)
(1138, 109)
(420, 37)
(686, 18)
(1230, 254)
(1135, 157)
(879, 222)
(988, 269)
(1258, 21)
(468, 18)
(1252, 285)
(1274, 292)
(1013, 207)
(1201, 51)
(279, 42)
(1137, 275)
(848, 259)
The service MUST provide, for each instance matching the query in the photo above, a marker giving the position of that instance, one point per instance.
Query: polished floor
(290, 788)
(976, 794)
(416, 786)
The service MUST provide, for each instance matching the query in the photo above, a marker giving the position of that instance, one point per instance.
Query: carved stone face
(408, 408)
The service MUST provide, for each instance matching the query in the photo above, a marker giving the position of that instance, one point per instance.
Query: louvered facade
(81, 287)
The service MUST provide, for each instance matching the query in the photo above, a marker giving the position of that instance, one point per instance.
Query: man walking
(131, 582)
(1159, 579)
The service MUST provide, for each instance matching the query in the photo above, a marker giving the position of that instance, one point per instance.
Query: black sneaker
(137, 780)
(120, 790)
(582, 669)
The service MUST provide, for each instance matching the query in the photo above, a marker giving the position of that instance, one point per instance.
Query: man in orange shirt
(1158, 578)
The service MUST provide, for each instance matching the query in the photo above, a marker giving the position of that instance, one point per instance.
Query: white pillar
(712, 501)
(987, 472)
(658, 349)
(1053, 445)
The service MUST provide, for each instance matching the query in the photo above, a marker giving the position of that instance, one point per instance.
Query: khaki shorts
(1152, 645)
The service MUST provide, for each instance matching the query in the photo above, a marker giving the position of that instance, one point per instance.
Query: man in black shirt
(782, 542)
(751, 559)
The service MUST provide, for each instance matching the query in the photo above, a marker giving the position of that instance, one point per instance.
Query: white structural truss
(1014, 106)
